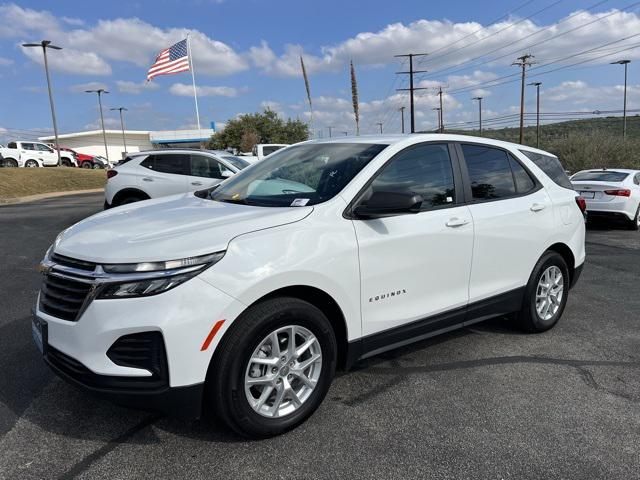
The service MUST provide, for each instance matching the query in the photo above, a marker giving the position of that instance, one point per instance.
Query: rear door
(164, 174)
(205, 172)
(416, 266)
(512, 217)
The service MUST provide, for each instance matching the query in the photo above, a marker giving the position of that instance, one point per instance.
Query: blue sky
(246, 55)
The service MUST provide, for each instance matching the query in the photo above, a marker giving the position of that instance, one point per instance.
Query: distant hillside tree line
(245, 131)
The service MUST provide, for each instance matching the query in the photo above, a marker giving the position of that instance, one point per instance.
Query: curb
(41, 196)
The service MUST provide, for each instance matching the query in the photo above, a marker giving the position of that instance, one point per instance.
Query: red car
(84, 160)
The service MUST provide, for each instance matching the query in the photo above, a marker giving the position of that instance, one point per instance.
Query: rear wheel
(31, 164)
(546, 293)
(97, 166)
(87, 165)
(273, 368)
(10, 163)
(635, 223)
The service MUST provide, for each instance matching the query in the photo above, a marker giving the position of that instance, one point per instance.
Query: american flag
(171, 60)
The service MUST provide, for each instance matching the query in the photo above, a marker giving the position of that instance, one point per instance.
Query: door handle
(536, 207)
(147, 179)
(456, 222)
(196, 184)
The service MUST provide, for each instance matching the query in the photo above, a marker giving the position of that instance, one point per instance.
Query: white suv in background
(35, 154)
(159, 173)
(244, 299)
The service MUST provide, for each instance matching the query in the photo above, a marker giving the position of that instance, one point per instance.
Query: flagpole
(193, 78)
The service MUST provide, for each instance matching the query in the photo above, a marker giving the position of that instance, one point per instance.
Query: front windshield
(300, 175)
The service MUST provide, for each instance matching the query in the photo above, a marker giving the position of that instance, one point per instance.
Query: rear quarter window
(551, 166)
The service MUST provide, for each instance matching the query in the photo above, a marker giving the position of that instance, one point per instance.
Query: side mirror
(387, 204)
(226, 173)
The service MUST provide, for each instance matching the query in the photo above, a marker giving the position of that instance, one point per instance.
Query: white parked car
(613, 193)
(262, 150)
(35, 154)
(159, 173)
(245, 298)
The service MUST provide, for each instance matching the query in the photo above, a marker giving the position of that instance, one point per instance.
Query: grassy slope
(20, 182)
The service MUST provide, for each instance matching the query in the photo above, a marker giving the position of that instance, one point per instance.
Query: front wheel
(31, 164)
(635, 223)
(546, 293)
(273, 368)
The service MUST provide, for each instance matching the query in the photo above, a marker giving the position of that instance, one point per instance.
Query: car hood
(167, 228)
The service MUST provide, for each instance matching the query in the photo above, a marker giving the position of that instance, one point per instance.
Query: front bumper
(184, 316)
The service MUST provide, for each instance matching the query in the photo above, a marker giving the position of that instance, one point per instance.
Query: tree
(267, 127)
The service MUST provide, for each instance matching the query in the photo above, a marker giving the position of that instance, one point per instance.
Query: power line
(411, 88)
(523, 62)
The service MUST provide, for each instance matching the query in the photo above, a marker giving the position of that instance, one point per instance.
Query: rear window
(551, 166)
(600, 176)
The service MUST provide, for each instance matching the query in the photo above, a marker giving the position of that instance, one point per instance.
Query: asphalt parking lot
(484, 402)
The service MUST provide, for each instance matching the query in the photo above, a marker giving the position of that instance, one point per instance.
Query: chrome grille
(73, 262)
(63, 297)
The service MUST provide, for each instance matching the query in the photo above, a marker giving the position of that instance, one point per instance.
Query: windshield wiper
(239, 201)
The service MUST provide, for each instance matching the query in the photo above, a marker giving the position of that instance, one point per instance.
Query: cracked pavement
(483, 402)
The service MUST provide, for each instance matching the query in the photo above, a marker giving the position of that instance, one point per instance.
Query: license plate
(38, 331)
(588, 194)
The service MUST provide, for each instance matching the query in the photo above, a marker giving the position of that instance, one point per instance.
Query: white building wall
(94, 144)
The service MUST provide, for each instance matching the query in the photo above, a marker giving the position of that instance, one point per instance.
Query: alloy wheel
(549, 292)
(283, 371)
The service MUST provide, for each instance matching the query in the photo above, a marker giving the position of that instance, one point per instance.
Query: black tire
(10, 163)
(129, 199)
(87, 165)
(31, 164)
(97, 166)
(635, 223)
(66, 163)
(528, 316)
(224, 390)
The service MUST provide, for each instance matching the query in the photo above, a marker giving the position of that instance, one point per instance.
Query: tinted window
(202, 166)
(636, 179)
(169, 163)
(424, 170)
(300, 175)
(600, 176)
(551, 166)
(28, 146)
(237, 162)
(524, 182)
(12, 145)
(269, 150)
(489, 171)
(42, 147)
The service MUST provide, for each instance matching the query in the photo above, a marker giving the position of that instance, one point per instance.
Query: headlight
(155, 277)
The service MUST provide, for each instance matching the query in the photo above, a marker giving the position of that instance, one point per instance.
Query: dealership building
(92, 142)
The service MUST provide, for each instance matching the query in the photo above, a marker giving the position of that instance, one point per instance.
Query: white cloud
(185, 90)
(109, 123)
(5, 62)
(69, 60)
(124, 39)
(582, 96)
(83, 87)
(135, 88)
(378, 48)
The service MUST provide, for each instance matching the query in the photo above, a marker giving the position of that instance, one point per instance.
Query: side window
(524, 182)
(636, 179)
(424, 170)
(149, 162)
(43, 148)
(551, 166)
(202, 166)
(28, 146)
(12, 145)
(489, 171)
(171, 163)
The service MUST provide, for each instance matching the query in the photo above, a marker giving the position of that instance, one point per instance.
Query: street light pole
(100, 91)
(479, 99)
(537, 85)
(380, 125)
(47, 44)
(402, 117)
(624, 111)
(124, 141)
(437, 109)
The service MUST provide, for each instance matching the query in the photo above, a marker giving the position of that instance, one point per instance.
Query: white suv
(159, 173)
(243, 299)
(35, 154)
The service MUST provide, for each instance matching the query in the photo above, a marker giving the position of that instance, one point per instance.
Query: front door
(416, 266)
(205, 172)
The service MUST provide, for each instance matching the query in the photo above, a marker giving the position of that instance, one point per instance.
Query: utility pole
(330, 127)
(624, 111)
(124, 142)
(402, 117)
(522, 62)
(537, 85)
(380, 125)
(479, 99)
(437, 109)
(346, 133)
(47, 44)
(441, 119)
(411, 88)
(100, 91)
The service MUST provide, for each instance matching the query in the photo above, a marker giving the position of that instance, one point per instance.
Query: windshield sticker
(299, 202)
